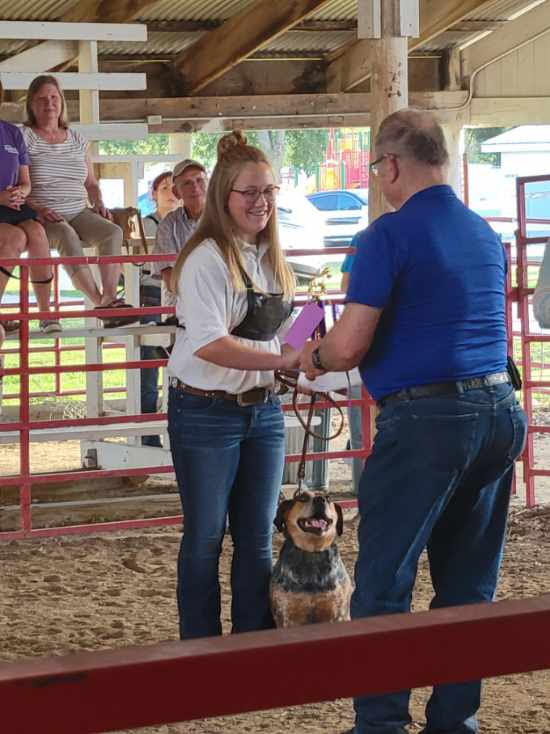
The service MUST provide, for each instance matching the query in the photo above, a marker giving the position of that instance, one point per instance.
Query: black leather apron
(265, 314)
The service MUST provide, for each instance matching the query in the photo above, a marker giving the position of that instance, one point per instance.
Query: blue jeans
(228, 461)
(355, 436)
(150, 296)
(439, 477)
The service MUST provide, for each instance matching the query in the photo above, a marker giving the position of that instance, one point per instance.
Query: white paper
(331, 381)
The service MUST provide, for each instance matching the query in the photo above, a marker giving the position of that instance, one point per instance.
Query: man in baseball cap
(189, 182)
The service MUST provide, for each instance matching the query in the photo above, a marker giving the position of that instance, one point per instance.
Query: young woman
(150, 295)
(19, 229)
(63, 183)
(162, 193)
(225, 424)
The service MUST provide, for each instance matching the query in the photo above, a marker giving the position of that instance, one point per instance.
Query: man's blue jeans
(228, 461)
(439, 477)
(356, 436)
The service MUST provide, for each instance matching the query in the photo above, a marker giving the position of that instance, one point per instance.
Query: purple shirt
(13, 153)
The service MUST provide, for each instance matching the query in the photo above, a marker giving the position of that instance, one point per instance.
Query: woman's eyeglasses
(252, 194)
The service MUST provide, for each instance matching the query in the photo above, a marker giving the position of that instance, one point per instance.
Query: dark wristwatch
(316, 360)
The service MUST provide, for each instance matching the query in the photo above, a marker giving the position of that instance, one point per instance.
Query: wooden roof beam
(219, 50)
(315, 25)
(436, 16)
(106, 11)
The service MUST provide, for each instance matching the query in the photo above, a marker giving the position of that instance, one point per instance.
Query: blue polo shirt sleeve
(350, 257)
(346, 265)
(376, 267)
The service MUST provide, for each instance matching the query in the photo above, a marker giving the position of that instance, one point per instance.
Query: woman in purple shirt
(19, 228)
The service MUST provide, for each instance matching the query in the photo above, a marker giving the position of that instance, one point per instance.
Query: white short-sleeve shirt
(210, 308)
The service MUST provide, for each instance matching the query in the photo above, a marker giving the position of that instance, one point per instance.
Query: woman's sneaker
(50, 326)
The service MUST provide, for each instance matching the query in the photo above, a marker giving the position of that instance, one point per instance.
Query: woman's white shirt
(210, 308)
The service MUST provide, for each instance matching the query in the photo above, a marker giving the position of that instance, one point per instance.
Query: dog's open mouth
(316, 525)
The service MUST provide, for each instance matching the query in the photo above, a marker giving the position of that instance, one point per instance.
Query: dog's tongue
(317, 523)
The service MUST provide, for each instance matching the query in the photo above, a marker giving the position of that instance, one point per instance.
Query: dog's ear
(279, 521)
(340, 521)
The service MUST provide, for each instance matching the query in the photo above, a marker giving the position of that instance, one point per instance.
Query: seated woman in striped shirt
(63, 182)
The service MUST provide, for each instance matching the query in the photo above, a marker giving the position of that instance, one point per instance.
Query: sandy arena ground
(92, 593)
(114, 590)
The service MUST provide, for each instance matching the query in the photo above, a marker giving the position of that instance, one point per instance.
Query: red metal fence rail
(25, 479)
(174, 681)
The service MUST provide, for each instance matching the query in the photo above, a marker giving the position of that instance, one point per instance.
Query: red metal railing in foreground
(25, 478)
(174, 681)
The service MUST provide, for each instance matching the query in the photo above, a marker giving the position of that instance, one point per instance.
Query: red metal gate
(531, 237)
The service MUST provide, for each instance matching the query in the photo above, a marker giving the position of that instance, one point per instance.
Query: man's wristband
(316, 360)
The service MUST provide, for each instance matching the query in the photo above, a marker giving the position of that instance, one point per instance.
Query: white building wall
(523, 73)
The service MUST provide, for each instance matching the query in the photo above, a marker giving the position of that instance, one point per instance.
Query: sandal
(113, 322)
(11, 326)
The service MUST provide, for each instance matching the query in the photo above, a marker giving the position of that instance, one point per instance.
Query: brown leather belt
(250, 397)
(445, 388)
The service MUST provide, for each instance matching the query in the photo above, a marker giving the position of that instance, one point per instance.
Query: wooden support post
(389, 79)
(453, 136)
(87, 63)
(89, 113)
(389, 85)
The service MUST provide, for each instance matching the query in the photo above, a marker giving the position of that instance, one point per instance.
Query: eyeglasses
(252, 195)
(373, 167)
(199, 181)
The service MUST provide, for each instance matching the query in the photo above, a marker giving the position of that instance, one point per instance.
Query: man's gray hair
(415, 134)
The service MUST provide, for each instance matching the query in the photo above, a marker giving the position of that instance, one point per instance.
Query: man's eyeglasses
(373, 167)
(199, 181)
(252, 194)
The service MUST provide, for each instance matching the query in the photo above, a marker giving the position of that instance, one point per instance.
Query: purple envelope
(303, 327)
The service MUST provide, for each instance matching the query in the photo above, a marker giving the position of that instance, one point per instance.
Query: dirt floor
(114, 590)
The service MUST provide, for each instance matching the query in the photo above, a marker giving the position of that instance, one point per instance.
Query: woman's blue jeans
(439, 477)
(228, 461)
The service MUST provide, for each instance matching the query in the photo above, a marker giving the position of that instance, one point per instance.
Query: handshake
(301, 359)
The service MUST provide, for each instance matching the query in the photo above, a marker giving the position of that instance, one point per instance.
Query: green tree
(204, 146)
(306, 149)
(473, 139)
(152, 145)
(301, 149)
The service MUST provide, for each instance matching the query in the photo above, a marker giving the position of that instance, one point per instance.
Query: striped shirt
(58, 172)
(172, 234)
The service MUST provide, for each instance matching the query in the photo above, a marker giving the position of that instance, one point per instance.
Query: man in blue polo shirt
(425, 320)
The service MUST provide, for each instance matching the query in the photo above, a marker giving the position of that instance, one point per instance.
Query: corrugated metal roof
(34, 9)
(157, 43)
(499, 9)
(173, 43)
(305, 42)
(207, 10)
(310, 41)
(194, 9)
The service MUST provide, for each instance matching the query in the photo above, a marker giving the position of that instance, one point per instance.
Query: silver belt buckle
(174, 382)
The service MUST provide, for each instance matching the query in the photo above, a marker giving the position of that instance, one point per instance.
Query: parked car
(344, 212)
(300, 228)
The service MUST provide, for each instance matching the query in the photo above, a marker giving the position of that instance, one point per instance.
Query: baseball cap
(184, 165)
